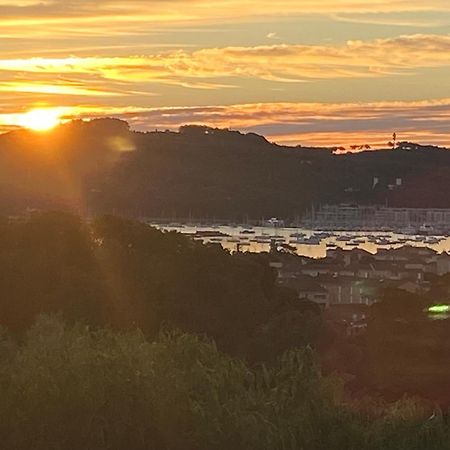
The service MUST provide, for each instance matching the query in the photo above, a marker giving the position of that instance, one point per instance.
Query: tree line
(102, 167)
(125, 274)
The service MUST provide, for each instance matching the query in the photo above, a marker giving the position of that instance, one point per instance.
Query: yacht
(426, 229)
(273, 222)
(313, 240)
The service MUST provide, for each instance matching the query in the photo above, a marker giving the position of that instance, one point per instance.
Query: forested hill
(102, 166)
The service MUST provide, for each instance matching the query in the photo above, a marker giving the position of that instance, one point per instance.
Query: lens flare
(40, 119)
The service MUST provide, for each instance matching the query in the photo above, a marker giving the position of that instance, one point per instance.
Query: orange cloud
(284, 63)
(98, 18)
(53, 89)
(317, 124)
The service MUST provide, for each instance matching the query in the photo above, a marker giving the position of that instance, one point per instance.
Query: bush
(76, 388)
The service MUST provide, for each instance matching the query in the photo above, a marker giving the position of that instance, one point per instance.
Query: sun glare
(41, 119)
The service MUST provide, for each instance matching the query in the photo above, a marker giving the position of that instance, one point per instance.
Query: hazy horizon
(337, 149)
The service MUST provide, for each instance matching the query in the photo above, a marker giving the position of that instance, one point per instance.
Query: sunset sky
(298, 71)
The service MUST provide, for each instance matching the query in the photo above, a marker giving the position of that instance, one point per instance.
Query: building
(357, 217)
(356, 277)
(307, 288)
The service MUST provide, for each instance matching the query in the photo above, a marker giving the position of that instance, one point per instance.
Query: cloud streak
(321, 124)
(282, 63)
(98, 57)
(65, 18)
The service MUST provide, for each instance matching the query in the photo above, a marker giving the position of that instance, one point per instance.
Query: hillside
(103, 166)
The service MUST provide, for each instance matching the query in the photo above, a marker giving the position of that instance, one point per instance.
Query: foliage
(407, 351)
(126, 274)
(104, 167)
(72, 387)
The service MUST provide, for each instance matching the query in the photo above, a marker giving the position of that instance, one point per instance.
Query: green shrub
(77, 388)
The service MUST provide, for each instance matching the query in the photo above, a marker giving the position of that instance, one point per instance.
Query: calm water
(305, 242)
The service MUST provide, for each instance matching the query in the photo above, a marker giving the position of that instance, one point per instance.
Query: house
(316, 269)
(347, 257)
(350, 290)
(442, 263)
(307, 289)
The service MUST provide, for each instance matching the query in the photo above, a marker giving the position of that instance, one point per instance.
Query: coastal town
(347, 282)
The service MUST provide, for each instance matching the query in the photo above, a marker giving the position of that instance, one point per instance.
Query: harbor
(301, 241)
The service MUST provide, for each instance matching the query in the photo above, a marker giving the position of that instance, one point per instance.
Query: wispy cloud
(325, 124)
(273, 35)
(416, 20)
(284, 63)
(108, 54)
(54, 89)
(86, 17)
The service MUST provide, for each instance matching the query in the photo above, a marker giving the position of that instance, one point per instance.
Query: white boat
(426, 229)
(273, 222)
(313, 240)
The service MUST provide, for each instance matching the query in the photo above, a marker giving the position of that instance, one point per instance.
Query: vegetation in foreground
(104, 385)
(124, 274)
(70, 387)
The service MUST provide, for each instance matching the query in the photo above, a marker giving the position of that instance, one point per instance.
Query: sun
(40, 119)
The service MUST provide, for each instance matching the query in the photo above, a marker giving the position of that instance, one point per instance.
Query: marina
(304, 242)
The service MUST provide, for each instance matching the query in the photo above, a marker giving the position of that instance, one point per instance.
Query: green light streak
(439, 309)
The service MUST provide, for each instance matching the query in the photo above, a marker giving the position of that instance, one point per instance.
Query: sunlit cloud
(98, 57)
(419, 20)
(210, 8)
(331, 124)
(54, 89)
(61, 18)
(284, 63)
(273, 35)
(315, 124)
